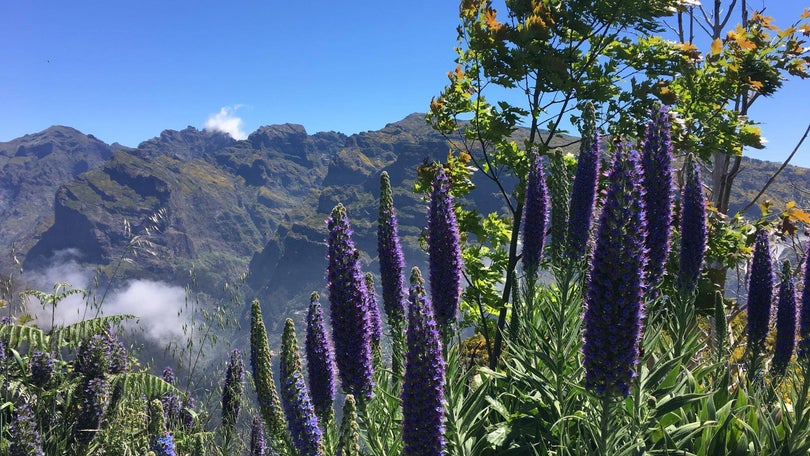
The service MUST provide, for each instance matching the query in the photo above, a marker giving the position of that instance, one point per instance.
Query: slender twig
(778, 171)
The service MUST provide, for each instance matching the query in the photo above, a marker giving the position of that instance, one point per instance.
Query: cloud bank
(226, 121)
(158, 305)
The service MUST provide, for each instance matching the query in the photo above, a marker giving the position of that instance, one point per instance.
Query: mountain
(31, 170)
(199, 200)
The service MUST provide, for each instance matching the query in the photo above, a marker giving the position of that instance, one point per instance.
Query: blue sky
(125, 71)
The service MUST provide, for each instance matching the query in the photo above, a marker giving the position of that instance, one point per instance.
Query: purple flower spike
(444, 251)
(785, 322)
(257, 444)
(42, 368)
(804, 316)
(232, 390)
(25, 439)
(392, 262)
(95, 398)
(172, 406)
(693, 228)
(320, 361)
(423, 387)
(93, 357)
(373, 311)
(760, 295)
(351, 323)
(535, 220)
(301, 419)
(583, 198)
(656, 163)
(615, 291)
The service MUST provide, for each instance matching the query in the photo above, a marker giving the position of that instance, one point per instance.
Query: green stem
(602, 442)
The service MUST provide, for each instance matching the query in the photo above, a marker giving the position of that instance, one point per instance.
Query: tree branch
(781, 168)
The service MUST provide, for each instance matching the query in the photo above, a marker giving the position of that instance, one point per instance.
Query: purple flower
(785, 322)
(804, 316)
(656, 164)
(583, 194)
(232, 390)
(164, 445)
(95, 398)
(444, 251)
(42, 369)
(535, 219)
(93, 357)
(373, 312)
(423, 387)
(301, 419)
(392, 261)
(186, 413)
(693, 228)
(320, 361)
(351, 323)
(25, 439)
(118, 355)
(257, 445)
(170, 401)
(168, 375)
(760, 295)
(614, 296)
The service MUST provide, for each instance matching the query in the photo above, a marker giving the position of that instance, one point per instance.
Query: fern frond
(19, 336)
(72, 336)
(134, 385)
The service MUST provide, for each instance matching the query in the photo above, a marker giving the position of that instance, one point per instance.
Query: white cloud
(226, 121)
(158, 305)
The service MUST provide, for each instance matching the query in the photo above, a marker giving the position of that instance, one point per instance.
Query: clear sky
(125, 71)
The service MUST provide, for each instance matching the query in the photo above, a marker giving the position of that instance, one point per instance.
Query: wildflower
(535, 218)
(444, 252)
(157, 421)
(559, 186)
(187, 413)
(583, 194)
(232, 390)
(118, 355)
(42, 368)
(349, 440)
(320, 361)
(93, 357)
(373, 312)
(656, 164)
(95, 398)
(785, 322)
(760, 295)
(260, 363)
(804, 316)
(613, 303)
(257, 445)
(351, 323)
(301, 419)
(693, 228)
(392, 262)
(170, 401)
(24, 437)
(423, 387)
(164, 445)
